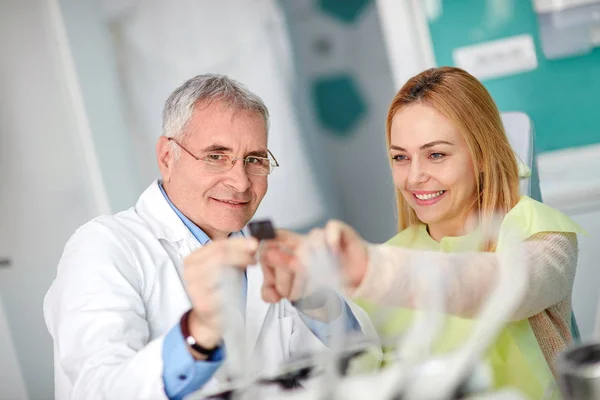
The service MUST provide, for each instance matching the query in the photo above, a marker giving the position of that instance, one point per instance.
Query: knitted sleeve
(468, 278)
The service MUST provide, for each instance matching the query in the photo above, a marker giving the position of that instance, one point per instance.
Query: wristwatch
(185, 330)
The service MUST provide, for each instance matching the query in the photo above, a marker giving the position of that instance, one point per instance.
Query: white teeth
(429, 196)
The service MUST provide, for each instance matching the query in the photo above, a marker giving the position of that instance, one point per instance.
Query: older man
(133, 311)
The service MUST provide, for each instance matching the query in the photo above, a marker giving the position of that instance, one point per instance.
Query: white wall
(12, 386)
(95, 66)
(45, 191)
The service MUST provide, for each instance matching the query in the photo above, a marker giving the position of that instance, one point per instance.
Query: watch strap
(189, 339)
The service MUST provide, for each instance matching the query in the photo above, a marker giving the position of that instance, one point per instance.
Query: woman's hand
(351, 250)
(285, 259)
(283, 277)
(345, 244)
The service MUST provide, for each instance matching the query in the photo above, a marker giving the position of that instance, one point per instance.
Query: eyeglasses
(217, 162)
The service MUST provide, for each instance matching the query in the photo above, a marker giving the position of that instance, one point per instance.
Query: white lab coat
(118, 291)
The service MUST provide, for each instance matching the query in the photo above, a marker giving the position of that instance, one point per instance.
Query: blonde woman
(453, 168)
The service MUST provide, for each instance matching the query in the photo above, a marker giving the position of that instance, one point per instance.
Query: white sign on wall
(497, 58)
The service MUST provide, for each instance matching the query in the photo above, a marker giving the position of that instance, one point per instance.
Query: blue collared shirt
(182, 374)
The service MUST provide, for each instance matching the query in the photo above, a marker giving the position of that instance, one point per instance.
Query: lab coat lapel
(187, 246)
(256, 308)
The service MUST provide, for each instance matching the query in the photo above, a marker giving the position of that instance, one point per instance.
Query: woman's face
(433, 168)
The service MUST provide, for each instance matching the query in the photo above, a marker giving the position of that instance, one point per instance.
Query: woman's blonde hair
(462, 99)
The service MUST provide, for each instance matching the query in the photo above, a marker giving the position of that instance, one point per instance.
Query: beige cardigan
(552, 259)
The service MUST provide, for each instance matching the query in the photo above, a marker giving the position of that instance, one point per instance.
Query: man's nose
(238, 177)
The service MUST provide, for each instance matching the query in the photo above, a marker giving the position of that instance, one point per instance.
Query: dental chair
(521, 135)
(519, 130)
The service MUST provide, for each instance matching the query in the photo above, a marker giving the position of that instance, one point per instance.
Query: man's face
(218, 202)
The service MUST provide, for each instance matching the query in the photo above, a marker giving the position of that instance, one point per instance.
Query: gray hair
(205, 89)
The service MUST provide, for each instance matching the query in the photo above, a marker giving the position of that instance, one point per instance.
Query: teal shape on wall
(339, 102)
(346, 11)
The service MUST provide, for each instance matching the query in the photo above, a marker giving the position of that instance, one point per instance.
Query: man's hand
(201, 274)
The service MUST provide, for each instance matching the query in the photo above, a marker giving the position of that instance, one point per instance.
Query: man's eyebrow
(225, 149)
(258, 153)
(217, 147)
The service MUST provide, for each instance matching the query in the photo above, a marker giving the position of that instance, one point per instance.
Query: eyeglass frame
(233, 160)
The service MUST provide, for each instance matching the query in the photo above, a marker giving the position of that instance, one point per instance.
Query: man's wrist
(201, 342)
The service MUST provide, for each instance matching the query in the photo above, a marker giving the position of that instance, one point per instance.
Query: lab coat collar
(153, 208)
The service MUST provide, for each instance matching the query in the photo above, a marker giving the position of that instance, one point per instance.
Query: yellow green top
(516, 358)
(526, 218)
